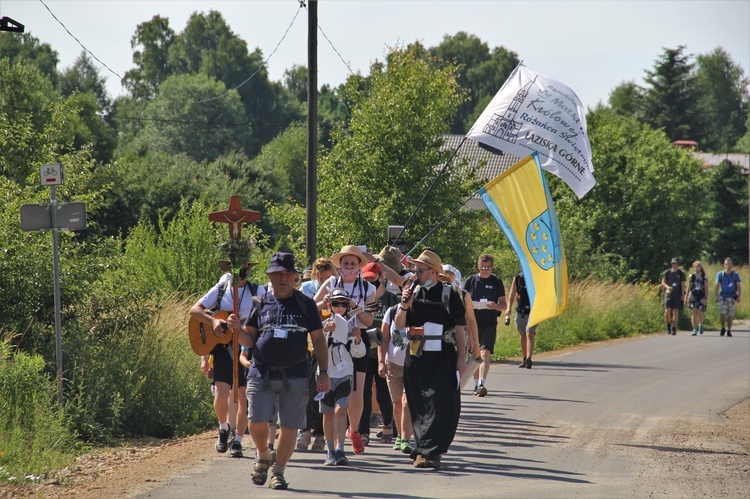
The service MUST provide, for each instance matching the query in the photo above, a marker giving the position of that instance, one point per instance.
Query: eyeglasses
(340, 304)
(485, 268)
(323, 266)
(420, 271)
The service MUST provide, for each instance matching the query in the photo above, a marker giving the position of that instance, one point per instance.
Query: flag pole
(403, 229)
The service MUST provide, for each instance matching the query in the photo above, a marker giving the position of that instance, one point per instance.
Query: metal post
(56, 276)
(311, 239)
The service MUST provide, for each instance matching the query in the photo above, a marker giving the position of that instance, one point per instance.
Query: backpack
(223, 289)
(523, 305)
(445, 298)
(720, 278)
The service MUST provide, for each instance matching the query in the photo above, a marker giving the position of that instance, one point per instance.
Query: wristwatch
(324, 371)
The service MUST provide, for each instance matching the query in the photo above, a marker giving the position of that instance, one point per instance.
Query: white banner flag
(534, 113)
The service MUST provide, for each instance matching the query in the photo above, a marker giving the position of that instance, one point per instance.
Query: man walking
(488, 297)
(434, 316)
(277, 332)
(727, 294)
(673, 283)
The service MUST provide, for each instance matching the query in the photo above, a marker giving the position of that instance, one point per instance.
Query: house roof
(710, 159)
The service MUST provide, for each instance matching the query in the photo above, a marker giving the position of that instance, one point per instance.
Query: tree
(727, 226)
(724, 100)
(671, 96)
(382, 164)
(627, 100)
(642, 211)
(83, 77)
(23, 48)
(154, 37)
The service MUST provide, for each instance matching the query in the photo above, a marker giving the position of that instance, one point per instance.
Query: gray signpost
(54, 216)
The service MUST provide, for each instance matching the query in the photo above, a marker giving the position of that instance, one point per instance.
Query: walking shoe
(433, 462)
(694, 333)
(356, 439)
(236, 449)
(729, 333)
(365, 438)
(482, 391)
(221, 442)
(476, 388)
(340, 458)
(330, 459)
(406, 447)
(669, 328)
(278, 482)
(523, 363)
(303, 439)
(420, 461)
(397, 443)
(319, 443)
(528, 363)
(700, 328)
(723, 331)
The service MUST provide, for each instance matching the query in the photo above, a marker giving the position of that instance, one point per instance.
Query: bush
(35, 434)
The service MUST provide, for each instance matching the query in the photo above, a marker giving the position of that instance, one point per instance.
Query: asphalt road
(576, 425)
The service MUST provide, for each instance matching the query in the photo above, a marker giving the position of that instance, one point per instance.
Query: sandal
(278, 482)
(260, 470)
(386, 436)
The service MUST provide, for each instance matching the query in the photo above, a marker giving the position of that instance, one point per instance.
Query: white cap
(447, 267)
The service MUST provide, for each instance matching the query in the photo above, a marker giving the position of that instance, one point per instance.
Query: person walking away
(728, 290)
(436, 360)
(697, 296)
(340, 354)
(488, 297)
(674, 294)
(527, 334)
(277, 331)
(220, 297)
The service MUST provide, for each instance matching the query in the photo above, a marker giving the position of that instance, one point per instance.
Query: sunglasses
(420, 271)
(340, 304)
(323, 266)
(485, 268)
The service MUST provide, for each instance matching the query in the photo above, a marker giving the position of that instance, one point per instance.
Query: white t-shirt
(355, 290)
(245, 297)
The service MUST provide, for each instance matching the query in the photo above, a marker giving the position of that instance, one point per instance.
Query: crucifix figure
(235, 216)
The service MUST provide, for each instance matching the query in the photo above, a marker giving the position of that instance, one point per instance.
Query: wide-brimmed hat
(431, 260)
(390, 256)
(352, 250)
(447, 267)
(226, 265)
(281, 262)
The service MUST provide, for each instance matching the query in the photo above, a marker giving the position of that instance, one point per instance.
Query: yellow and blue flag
(520, 201)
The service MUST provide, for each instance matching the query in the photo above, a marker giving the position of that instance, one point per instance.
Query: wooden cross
(235, 216)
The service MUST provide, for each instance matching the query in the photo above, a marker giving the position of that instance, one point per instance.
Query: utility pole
(311, 239)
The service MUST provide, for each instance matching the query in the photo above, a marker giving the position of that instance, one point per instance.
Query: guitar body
(202, 338)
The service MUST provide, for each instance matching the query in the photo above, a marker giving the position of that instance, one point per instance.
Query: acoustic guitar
(202, 338)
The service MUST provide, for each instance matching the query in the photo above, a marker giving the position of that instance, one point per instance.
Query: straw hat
(352, 250)
(431, 260)
(390, 256)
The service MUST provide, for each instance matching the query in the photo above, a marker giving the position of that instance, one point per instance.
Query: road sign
(71, 216)
(52, 174)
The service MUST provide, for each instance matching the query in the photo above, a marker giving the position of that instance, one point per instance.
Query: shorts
(395, 380)
(338, 396)
(263, 395)
(673, 301)
(223, 366)
(487, 336)
(522, 320)
(697, 302)
(726, 307)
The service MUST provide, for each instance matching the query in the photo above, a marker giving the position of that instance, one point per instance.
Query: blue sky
(591, 46)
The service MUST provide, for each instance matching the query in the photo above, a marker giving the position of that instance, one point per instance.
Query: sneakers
(523, 363)
(694, 333)
(330, 459)
(319, 443)
(476, 388)
(397, 444)
(729, 333)
(722, 332)
(406, 447)
(236, 449)
(700, 328)
(221, 442)
(357, 445)
(528, 363)
(482, 391)
(303, 439)
(340, 458)
(669, 328)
